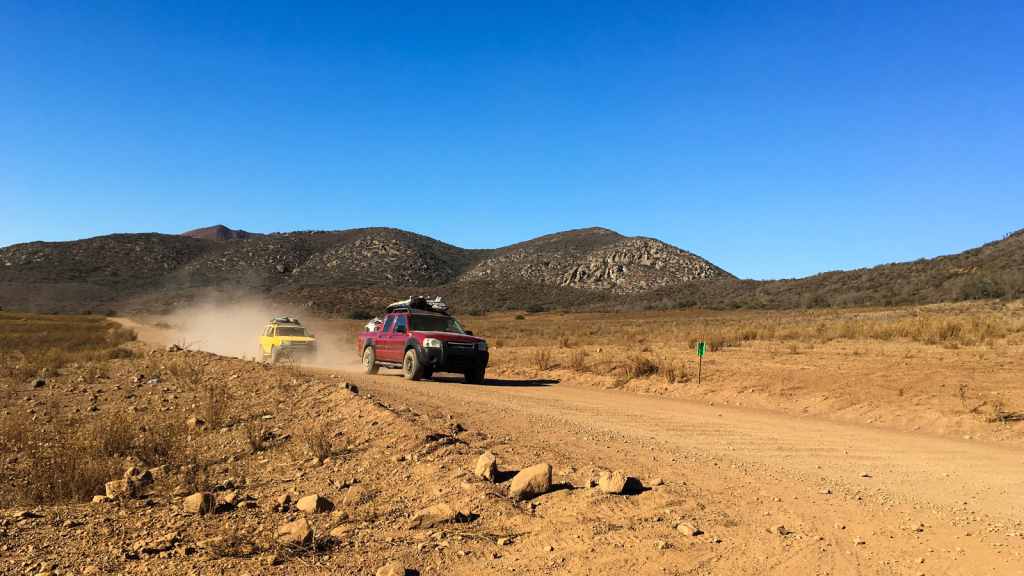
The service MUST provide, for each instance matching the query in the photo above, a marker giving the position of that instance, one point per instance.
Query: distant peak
(220, 232)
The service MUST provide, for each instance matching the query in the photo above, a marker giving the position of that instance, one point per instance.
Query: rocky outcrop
(623, 265)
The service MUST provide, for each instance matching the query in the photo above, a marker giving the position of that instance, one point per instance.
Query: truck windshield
(424, 323)
(284, 331)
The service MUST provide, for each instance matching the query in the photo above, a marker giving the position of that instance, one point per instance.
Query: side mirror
(469, 332)
(400, 329)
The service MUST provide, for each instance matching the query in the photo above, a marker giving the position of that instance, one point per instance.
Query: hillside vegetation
(355, 272)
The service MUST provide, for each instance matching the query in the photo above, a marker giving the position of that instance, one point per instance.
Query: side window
(401, 322)
(387, 324)
(266, 331)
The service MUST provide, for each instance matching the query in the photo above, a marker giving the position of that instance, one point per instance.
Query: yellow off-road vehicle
(284, 339)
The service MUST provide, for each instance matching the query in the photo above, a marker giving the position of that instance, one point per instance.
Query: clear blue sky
(776, 139)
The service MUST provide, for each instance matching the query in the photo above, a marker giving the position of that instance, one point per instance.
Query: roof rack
(285, 320)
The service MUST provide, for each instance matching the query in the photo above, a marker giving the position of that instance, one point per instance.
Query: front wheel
(370, 361)
(259, 354)
(475, 376)
(412, 367)
(275, 354)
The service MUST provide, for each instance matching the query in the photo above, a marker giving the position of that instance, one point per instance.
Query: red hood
(450, 336)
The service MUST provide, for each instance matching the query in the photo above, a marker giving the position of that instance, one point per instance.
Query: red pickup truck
(421, 342)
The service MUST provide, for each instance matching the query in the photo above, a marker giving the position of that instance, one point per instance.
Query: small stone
(532, 482)
(315, 504)
(341, 532)
(613, 483)
(688, 530)
(487, 467)
(354, 496)
(660, 545)
(295, 533)
(199, 503)
(194, 422)
(159, 472)
(287, 499)
(270, 560)
(656, 482)
(39, 383)
(119, 489)
(780, 530)
(99, 499)
(393, 569)
(549, 549)
(89, 570)
(430, 517)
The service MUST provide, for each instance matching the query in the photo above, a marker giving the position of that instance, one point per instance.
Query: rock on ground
(613, 483)
(487, 467)
(315, 504)
(393, 569)
(532, 482)
(689, 530)
(199, 503)
(296, 533)
(430, 517)
(119, 489)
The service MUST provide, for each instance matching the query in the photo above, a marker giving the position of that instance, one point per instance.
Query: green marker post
(700, 360)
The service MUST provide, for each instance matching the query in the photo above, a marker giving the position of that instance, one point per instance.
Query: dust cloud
(233, 328)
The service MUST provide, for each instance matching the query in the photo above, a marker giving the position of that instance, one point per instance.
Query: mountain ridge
(349, 271)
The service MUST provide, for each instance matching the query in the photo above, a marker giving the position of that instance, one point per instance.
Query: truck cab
(422, 342)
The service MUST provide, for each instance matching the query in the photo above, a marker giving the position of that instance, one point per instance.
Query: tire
(427, 374)
(475, 376)
(411, 366)
(259, 354)
(275, 354)
(370, 361)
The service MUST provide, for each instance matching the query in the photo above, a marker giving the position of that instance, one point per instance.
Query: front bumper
(453, 357)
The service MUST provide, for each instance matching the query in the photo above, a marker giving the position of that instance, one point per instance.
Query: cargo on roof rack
(285, 320)
(418, 303)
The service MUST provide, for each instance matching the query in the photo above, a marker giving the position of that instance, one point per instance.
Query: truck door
(399, 334)
(381, 340)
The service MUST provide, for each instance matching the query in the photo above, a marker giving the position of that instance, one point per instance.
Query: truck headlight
(481, 346)
(431, 343)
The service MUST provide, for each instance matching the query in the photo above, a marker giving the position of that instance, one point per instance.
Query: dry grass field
(947, 368)
(85, 404)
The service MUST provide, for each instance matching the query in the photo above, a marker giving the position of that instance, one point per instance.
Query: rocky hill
(597, 259)
(110, 270)
(345, 272)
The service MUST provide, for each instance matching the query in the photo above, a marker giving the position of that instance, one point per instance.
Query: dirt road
(852, 498)
(859, 499)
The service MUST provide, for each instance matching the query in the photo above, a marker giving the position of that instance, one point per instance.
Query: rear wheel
(370, 361)
(412, 367)
(475, 376)
(275, 354)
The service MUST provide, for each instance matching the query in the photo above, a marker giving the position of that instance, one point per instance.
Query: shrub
(319, 441)
(534, 309)
(256, 435)
(578, 360)
(359, 315)
(639, 366)
(542, 359)
(686, 304)
(520, 317)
